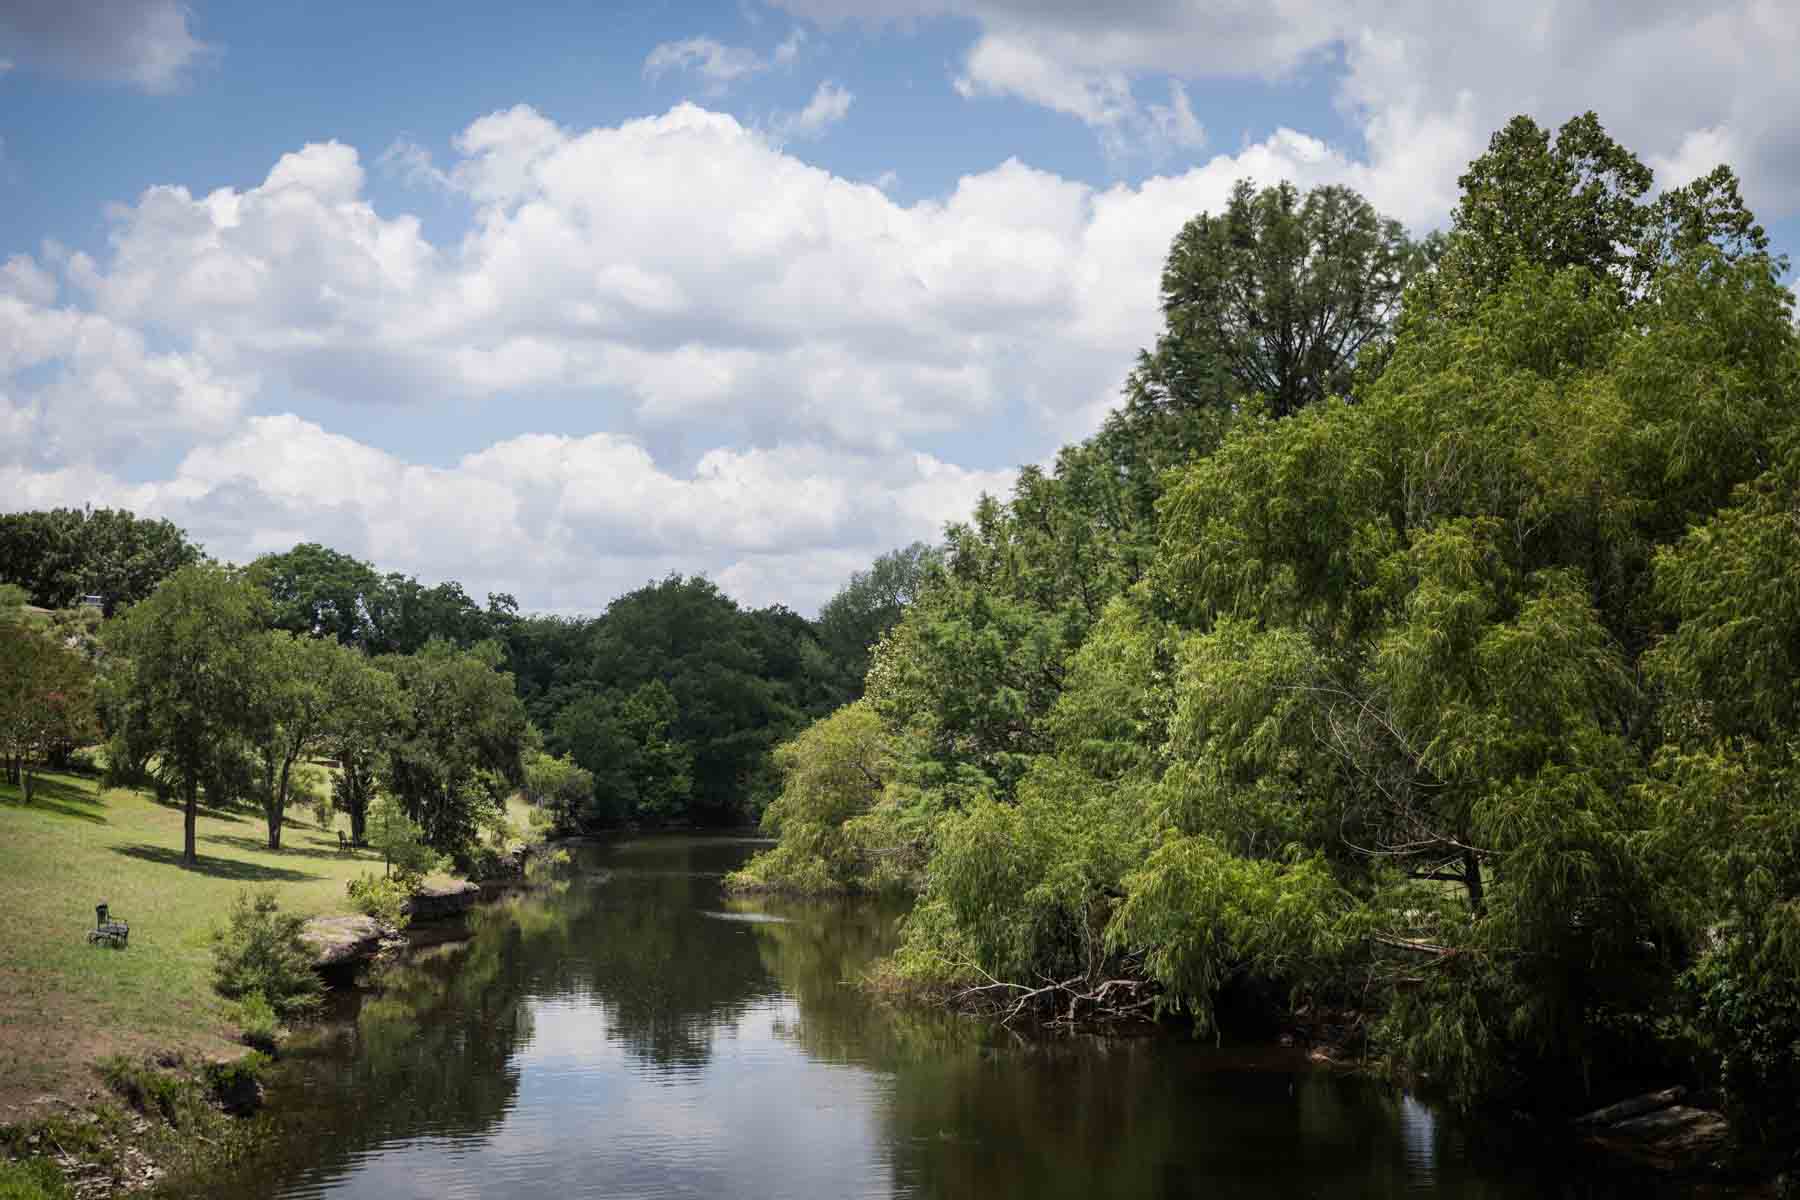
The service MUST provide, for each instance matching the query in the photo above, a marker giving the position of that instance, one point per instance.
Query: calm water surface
(637, 1034)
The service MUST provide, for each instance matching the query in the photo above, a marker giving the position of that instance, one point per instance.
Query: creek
(633, 1032)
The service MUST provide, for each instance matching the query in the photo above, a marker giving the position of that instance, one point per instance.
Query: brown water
(636, 1034)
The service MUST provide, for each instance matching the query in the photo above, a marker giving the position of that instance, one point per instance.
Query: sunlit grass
(64, 1003)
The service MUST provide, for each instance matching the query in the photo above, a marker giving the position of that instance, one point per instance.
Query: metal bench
(108, 929)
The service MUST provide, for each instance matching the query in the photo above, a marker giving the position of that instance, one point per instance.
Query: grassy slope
(64, 1003)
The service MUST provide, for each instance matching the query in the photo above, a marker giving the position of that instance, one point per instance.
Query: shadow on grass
(53, 796)
(290, 845)
(218, 868)
(229, 813)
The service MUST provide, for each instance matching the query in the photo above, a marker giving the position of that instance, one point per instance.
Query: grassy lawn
(64, 1003)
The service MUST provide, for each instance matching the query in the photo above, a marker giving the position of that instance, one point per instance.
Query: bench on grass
(108, 929)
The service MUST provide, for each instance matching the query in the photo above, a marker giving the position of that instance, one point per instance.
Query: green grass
(65, 1004)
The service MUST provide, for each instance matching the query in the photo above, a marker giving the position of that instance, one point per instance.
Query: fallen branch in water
(1073, 1001)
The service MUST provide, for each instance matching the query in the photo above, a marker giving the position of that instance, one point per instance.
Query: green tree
(62, 554)
(1277, 296)
(317, 591)
(832, 773)
(303, 690)
(460, 721)
(399, 839)
(185, 675)
(623, 743)
(1577, 198)
(46, 694)
(369, 709)
(870, 604)
(559, 786)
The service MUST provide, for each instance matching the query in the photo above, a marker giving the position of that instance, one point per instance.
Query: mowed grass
(64, 1003)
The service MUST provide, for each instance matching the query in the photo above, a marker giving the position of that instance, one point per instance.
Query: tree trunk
(189, 818)
(272, 807)
(28, 781)
(277, 806)
(1472, 881)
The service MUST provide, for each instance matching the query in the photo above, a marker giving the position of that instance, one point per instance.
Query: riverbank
(66, 1004)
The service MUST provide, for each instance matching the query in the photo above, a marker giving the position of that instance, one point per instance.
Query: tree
(185, 677)
(62, 554)
(399, 839)
(46, 694)
(1578, 199)
(302, 693)
(870, 604)
(1277, 296)
(623, 744)
(318, 591)
(459, 719)
(832, 773)
(370, 708)
(559, 786)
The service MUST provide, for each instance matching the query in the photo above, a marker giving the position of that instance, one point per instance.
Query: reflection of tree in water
(429, 1054)
(977, 1111)
(818, 951)
(669, 975)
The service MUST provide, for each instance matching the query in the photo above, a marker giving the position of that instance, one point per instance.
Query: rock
(1670, 1138)
(435, 901)
(339, 941)
(1649, 1102)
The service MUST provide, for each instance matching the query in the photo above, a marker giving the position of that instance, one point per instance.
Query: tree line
(221, 684)
(1418, 637)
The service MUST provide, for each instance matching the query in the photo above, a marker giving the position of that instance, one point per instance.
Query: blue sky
(555, 298)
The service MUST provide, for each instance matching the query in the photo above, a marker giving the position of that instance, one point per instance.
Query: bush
(261, 952)
(383, 898)
(1748, 1012)
(31, 1179)
(257, 1024)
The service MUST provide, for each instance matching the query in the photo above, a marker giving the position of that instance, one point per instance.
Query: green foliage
(558, 789)
(623, 746)
(833, 774)
(184, 687)
(1277, 296)
(383, 897)
(260, 951)
(31, 1179)
(461, 726)
(1201, 915)
(1747, 1007)
(870, 604)
(46, 697)
(399, 839)
(257, 1023)
(63, 554)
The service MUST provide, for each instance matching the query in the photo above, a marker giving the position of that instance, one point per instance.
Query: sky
(557, 298)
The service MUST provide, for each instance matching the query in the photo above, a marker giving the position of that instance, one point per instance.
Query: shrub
(261, 952)
(383, 898)
(549, 865)
(257, 1023)
(31, 1179)
(1748, 1011)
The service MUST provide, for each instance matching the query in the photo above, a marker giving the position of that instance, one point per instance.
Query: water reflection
(635, 1033)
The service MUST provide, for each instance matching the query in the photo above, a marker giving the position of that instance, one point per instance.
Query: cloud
(1422, 83)
(143, 43)
(829, 105)
(770, 392)
(564, 522)
(717, 64)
